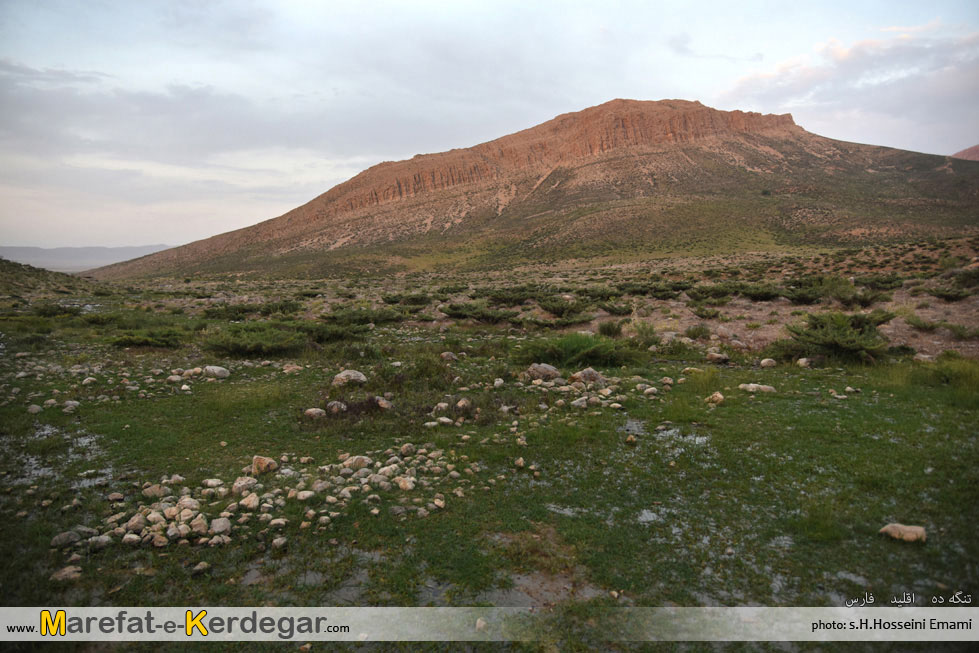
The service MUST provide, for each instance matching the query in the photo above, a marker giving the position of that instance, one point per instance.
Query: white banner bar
(959, 624)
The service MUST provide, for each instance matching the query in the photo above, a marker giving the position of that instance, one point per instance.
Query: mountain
(970, 154)
(75, 259)
(19, 281)
(623, 179)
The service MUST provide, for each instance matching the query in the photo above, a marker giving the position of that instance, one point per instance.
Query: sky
(134, 123)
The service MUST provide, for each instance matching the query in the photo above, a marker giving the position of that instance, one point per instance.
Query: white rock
(314, 413)
(349, 376)
(768, 362)
(34, 409)
(216, 372)
(755, 387)
(221, 525)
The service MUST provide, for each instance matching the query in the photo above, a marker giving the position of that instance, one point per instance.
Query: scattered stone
(383, 403)
(715, 399)
(221, 525)
(136, 523)
(62, 540)
(717, 357)
(336, 407)
(250, 502)
(263, 464)
(279, 543)
(131, 539)
(448, 356)
(314, 413)
(349, 376)
(519, 462)
(543, 371)
(69, 573)
(216, 372)
(755, 387)
(305, 495)
(588, 375)
(803, 362)
(291, 368)
(155, 491)
(768, 362)
(200, 568)
(34, 409)
(905, 533)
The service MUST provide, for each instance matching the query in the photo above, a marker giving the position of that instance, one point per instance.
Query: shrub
(645, 335)
(351, 316)
(950, 294)
(880, 281)
(255, 339)
(55, 310)
(610, 329)
(841, 335)
(560, 307)
(616, 309)
(698, 332)
(704, 312)
(478, 312)
(759, 292)
(230, 311)
(285, 306)
(163, 338)
(577, 350)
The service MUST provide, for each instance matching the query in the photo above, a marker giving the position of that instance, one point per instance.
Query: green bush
(350, 316)
(880, 281)
(559, 307)
(577, 350)
(55, 310)
(230, 312)
(616, 309)
(759, 292)
(255, 339)
(286, 306)
(950, 294)
(698, 332)
(704, 312)
(477, 312)
(840, 335)
(163, 338)
(610, 329)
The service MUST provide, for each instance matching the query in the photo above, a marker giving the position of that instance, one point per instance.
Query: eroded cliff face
(395, 200)
(568, 137)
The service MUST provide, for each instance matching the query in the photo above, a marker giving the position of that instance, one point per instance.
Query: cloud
(680, 44)
(908, 91)
(930, 26)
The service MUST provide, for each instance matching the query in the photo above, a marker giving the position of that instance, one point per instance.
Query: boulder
(349, 376)
(216, 372)
(542, 371)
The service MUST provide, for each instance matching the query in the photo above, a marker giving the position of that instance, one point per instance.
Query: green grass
(796, 483)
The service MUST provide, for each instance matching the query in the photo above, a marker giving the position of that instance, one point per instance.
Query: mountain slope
(970, 153)
(623, 178)
(75, 259)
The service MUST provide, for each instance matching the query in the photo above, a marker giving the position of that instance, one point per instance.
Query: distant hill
(18, 280)
(75, 259)
(624, 180)
(970, 154)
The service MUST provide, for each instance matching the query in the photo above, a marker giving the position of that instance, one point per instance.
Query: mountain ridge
(657, 153)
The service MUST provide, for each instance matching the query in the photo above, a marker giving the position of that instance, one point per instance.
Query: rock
(519, 462)
(357, 462)
(155, 491)
(243, 483)
(717, 357)
(136, 523)
(199, 525)
(768, 362)
(314, 413)
(542, 371)
(649, 392)
(279, 543)
(305, 495)
(99, 542)
(62, 540)
(131, 539)
(216, 372)
(263, 464)
(630, 439)
(349, 376)
(34, 409)
(407, 449)
(160, 540)
(580, 402)
(291, 368)
(448, 356)
(464, 404)
(212, 482)
(383, 403)
(65, 574)
(221, 525)
(250, 502)
(905, 533)
(200, 568)
(498, 383)
(336, 407)
(715, 399)
(803, 362)
(480, 624)
(405, 483)
(755, 387)
(588, 375)
(188, 503)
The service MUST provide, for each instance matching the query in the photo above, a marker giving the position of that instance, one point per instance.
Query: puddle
(81, 446)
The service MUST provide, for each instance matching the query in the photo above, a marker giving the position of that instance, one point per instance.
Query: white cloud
(916, 92)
